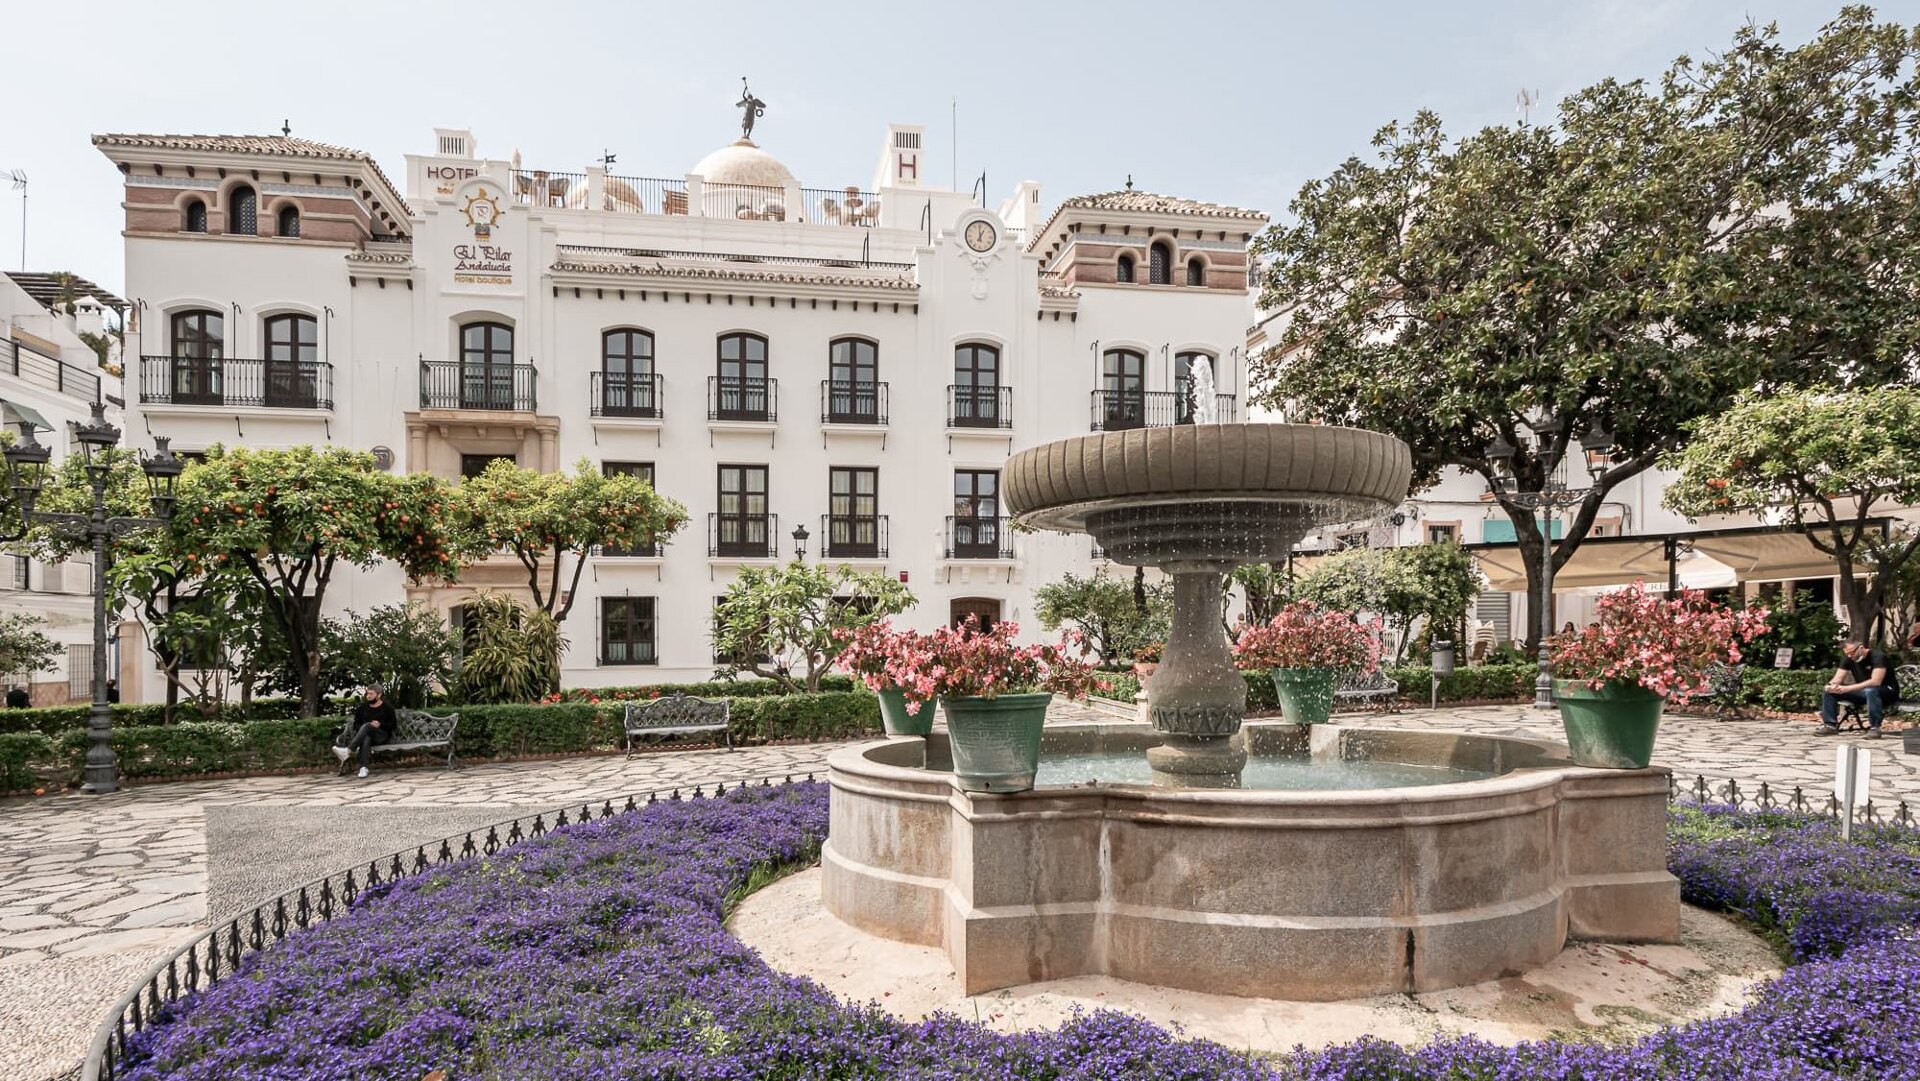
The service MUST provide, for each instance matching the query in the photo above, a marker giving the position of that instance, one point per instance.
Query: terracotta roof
(281, 146)
(46, 288)
(1147, 202)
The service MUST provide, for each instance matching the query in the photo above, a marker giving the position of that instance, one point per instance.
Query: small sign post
(1852, 770)
(1783, 657)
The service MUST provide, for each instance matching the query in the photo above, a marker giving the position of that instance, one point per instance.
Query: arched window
(1123, 269)
(288, 223)
(196, 216)
(293, 361)
(627, 385)
(486, 366)
(1196, 271)
(1160, 264)
(243, 211)
(976, 387)
(199, 343)
(853, 383)
(742, 390)
(1123, 389)
(1185, 390)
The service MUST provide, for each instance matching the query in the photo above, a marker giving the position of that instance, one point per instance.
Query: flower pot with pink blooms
(865, 653)
(1303, 649)
(1617, 673)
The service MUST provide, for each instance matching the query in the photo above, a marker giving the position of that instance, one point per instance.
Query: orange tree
(289, 519)
(548, 520)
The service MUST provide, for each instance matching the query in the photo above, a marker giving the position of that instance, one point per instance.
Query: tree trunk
(1861, 602)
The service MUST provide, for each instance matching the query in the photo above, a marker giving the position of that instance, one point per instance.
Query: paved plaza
(93, 890)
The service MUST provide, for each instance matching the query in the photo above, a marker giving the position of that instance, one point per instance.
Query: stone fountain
(1196, 501)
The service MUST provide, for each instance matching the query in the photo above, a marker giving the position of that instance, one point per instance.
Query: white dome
(741, 162)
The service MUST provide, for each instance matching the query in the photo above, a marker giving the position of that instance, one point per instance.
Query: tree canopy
(773, 620)
(1626, 267)
(24, 647)
(1825, 462)
(1434, 582)
(1117, 623)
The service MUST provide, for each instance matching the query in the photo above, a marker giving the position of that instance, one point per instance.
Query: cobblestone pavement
(95, 889)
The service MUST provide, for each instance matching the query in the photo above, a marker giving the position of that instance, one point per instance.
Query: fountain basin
(1292, 894)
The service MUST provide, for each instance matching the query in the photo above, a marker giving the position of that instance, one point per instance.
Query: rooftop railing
(29, 365)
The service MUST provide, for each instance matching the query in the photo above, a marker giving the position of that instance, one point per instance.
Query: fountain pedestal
(1196, 696)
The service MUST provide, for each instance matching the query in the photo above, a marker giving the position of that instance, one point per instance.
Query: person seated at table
(374, 721)
(1865, 679)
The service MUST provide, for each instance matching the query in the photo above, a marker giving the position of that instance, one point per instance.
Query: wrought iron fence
(230, 381)
(643, 195)
(979, 407)
(617, 394)
(731, 397)
(218, 953)
(1765, 796)
(450, 384)
(538, 187)
(32, 366)
(853, 536)
(842, 206)
(746, 202)
(1116, 410)
(850, 402)
(743, 536)
(978, 537)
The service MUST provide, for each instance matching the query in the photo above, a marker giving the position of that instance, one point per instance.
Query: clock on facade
(981, 236)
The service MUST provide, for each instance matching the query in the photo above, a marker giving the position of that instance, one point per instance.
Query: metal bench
(1853, 716)
(1726, 690)
(1370, 688)
(677, 714)
(417, 731)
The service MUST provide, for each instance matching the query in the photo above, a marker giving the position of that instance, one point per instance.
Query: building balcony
(495, 387)
(852, 403)
(637, 397)
(979, 407)
(853, 536)
(737, 398)
(743, 536)
(31, 366)
(613, 551)
(231, 382)
(970, 537)
(1118, 410)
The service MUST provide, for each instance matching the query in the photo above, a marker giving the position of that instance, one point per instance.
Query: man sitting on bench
(1864, 678)
(374, 721)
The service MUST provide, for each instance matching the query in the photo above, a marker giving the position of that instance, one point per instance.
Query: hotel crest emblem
(482, 210)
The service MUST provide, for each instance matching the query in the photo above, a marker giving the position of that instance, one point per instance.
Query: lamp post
(800, 542)
(1553, 495)
(26, 463)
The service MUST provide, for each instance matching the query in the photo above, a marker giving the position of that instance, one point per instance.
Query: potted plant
(1303, 648)
(1617, 672)
(865, 652)
(995, 694)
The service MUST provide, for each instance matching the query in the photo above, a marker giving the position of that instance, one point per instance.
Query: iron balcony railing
(1117, 410)
(979, 407)
(643, 195)
(229, 381)
(614, 551)
(613, 394)
(841, 206)
(842, 402)
(748, 536)
(538, 187)
(742, 398)
(29, 365)
(972, 537)
(853, 536)
(446, 384)
(746, 202)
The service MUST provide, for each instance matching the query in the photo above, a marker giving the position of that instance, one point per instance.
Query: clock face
(980, 236)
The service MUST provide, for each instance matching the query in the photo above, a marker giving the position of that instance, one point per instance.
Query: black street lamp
(1553, 496)
(27, 463)
(800, 542)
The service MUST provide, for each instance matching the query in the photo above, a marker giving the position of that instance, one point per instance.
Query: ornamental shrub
(20, 754)
(1663, 645)
(1305, 635)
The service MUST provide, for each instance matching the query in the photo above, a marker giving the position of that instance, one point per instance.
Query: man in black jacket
(374, 722)
(1863, 678)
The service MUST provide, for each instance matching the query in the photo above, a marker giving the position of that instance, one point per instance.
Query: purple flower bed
(598, 952)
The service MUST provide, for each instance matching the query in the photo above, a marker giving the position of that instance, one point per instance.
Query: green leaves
(24, 648)
(772, 620)
(1106, 611)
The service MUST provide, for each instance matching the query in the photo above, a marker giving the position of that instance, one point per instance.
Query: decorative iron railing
(229, 381)
(446, 384)
(970, 537)
(538, 187)
(745, 202)
(643, 195)
(1117, 410)
(853, 536)
(613, 394)
(32, 366)
(744, 536)
(979, 407)
(843, 402)
(742, 398)
(216, 954)
(843, 206)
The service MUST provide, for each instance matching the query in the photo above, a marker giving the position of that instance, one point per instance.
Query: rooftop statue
(752, 108)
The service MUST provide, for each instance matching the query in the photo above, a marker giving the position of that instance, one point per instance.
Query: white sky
(1233, 102)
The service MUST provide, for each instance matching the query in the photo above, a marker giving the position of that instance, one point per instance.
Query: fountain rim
(1072, 517)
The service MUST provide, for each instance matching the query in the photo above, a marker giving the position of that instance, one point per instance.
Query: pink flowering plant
(1663, 645)
(957, 662)
(1305, 635)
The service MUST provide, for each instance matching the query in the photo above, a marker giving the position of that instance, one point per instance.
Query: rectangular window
(472, 465)
(975, 531)
(743, 527)
(1358, 539)
(22, 573)
(643, 470)
(80, 671)
(627, 631)
(1441, 534)
(853, 513)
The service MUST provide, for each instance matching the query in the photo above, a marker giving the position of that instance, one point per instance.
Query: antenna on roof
(606, 156)
(286, 127)
(1526, 100)
(18, 177)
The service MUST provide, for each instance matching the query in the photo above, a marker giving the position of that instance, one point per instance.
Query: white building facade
(854, 361)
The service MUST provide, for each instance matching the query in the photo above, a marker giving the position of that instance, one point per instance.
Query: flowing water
(1262, 772)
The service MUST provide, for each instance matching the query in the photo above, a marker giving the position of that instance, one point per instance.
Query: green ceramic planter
(896, 719)
(1305, 694)
(996, 741)
(1612, 727)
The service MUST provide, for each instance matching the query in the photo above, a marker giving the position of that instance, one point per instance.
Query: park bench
(417, 731)
(1726, 690)
(1853, 716)
(1367, 688)
(677, 714)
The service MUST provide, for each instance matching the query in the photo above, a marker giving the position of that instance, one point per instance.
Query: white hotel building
(855, 360)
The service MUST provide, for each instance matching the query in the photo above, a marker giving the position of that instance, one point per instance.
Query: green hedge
(1788, 690)
(53, 720)
(1485, 682)
(22, 755)
(717, 688)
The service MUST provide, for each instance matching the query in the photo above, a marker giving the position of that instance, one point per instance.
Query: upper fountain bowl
(1206, 493)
